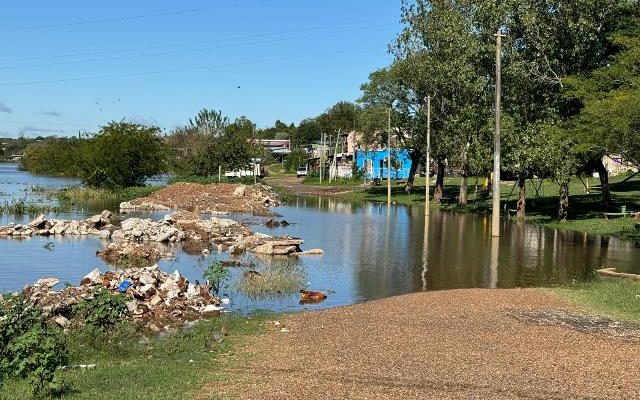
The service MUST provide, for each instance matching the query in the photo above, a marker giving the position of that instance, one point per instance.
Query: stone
(38, 222)
(240, 191)
(155, 300)
(147, 279)
(92, 278)
(62, 321)
(211, 308)
(46, 282)
(104, 234)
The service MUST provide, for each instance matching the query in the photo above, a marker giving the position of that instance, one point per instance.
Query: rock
(92, 278)
(312, 252)
(240, 191)
(46, 282)
(62, 321)
(132, 306)
(211, 308)
(278, 247)
(155, 300)
(147, 279)
(104, 234)
(39, 222)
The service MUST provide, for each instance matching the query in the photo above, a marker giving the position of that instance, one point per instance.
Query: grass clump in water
(617, 297)
(21, 207)
(280, 279)
(79, 193)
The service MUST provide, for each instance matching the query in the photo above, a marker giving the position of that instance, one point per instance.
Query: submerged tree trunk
(415, 156)
(563, 209)
(604, 183)
(462, 197)
(522, 197)
(437, 193)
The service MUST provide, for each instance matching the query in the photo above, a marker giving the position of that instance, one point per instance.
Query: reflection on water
(371, 251)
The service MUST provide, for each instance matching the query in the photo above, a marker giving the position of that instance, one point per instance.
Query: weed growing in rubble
(216, 274)
(30, 348)
(103, 310)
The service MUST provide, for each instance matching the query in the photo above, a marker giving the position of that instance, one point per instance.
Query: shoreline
(455, 344)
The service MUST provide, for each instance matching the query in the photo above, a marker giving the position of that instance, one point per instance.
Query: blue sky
(72, 65)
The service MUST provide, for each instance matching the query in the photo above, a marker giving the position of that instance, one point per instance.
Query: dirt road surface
(294, 186)
(461, 344)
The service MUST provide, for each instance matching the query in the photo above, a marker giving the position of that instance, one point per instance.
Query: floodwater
(371, 251)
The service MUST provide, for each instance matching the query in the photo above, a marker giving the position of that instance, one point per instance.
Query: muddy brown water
(371, 251)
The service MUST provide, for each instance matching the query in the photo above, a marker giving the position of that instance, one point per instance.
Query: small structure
(374, 163)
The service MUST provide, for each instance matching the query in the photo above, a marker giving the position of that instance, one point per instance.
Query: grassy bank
(78, 194)
(132, 367)
(616, 297)
(585, 206)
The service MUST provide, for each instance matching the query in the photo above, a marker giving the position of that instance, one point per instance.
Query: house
(616, 165)
(374, 163)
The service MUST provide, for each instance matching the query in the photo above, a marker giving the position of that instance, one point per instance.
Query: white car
(302, 171)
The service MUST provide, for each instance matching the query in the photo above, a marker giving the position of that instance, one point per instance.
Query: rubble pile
(117, 251)
(146, 230)
(214, 198)
(98, 225)
(153, 295)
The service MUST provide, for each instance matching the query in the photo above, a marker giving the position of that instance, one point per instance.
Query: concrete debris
(240, 191)
(154, 295)
(46, 283)
(97, 225)
(137, 253)
(145, 206)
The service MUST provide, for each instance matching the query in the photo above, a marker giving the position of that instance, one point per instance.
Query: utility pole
(495, 213)
(428, 165)
(321, 154)
(389, 159)
(255, 164)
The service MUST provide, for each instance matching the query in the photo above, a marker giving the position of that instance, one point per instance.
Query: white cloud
(38, 129)
(51, 113)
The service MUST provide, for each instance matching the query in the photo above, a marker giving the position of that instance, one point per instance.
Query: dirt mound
(132, 253)
(216, 198)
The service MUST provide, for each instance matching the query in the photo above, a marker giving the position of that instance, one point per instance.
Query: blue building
(374, 163)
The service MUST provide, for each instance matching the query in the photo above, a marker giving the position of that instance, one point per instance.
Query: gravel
(461, 344)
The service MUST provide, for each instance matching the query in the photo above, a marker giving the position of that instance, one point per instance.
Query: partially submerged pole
(495, 213)
(428, 164)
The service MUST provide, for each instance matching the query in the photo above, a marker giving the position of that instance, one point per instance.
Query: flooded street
(371, 251)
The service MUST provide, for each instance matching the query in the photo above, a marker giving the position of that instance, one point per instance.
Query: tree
(308, 131)
(122, 155)
(209, 122)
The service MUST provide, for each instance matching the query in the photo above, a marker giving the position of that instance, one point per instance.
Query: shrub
(102, 310)
(216, 274)
(29, 347)
(123, 155)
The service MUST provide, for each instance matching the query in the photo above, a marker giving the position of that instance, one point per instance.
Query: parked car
(302, 171)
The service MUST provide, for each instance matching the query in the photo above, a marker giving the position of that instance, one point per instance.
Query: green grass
(585, 209)
(77, 194)
(616, 297)
(174, 367)
(276, 280)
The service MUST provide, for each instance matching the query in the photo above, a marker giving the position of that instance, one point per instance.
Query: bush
(103, 310)
(216, 274)
(29, 347)
(124, 155)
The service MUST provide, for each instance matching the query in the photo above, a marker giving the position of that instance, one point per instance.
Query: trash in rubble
(124, 286)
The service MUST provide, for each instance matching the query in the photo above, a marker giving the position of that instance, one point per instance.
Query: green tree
(124, 154)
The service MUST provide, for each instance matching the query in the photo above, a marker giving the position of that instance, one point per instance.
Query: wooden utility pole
(495, 213)
(428, 164)
(389, 159)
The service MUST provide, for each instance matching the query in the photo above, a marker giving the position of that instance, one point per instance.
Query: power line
(259, 35)
(133, 56)
(133, 17)
(204, 67)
